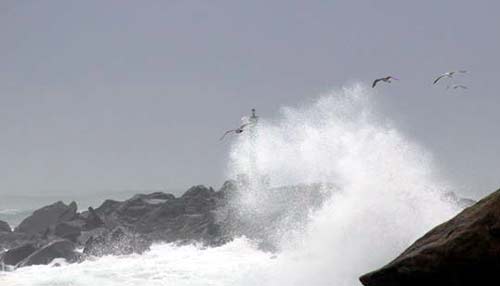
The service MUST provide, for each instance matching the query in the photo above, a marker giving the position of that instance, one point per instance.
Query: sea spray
(388, 195)
(385, 194)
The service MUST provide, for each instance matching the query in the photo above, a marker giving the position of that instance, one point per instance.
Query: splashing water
(388, 196)
(165, 264)
(389, 192)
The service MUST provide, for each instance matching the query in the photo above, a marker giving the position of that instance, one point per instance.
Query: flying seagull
(457, 86)
(387, 79)
(448, 74)
(236, 131)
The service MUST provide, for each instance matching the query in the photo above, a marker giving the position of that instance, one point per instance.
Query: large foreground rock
(42, 219)
(56, 249)
(463, 251)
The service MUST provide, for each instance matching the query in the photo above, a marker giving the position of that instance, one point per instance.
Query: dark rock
(87, 234)
(56, 249)
(228, 189)
(462, 251)
(198, 191)
(10, 240)
(155, 198)
(92, 220)
(116, 242)
(132, 213)
(48, 216)
(68, 231)
(15, 255)
(70, 213)
(4, 227)
(129, 212)
(132, 210)
(108, 207)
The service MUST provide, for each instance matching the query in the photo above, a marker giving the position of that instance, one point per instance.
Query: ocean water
(390, 194)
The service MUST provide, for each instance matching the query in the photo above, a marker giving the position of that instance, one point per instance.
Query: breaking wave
(385, 194)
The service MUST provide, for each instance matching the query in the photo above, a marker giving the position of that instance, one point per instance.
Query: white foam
(390, 194)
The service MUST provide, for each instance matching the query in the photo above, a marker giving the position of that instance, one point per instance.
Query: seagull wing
(375, 82)
(438, 78)
(227, 132)
(245, 125)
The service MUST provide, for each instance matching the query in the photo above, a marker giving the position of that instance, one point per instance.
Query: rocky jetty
(462, 251)
(200, 215)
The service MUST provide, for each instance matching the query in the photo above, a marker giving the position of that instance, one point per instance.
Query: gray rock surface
(4, 227)
(56, 249)
(46, 217)
(68, 231)
(15, 255)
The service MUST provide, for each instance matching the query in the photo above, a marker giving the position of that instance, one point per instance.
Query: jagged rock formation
(41, 220)
(462, 251)
(200, 215)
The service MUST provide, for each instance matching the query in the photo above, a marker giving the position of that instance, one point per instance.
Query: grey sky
(110, 95)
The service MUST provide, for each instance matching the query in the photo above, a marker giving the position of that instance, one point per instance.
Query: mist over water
(385, 195)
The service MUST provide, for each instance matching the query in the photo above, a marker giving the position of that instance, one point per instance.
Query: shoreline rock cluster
(200, 215)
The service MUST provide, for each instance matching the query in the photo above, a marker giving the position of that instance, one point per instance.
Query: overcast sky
(109, 95)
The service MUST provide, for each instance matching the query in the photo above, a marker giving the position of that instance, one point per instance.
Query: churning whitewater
(385, 195)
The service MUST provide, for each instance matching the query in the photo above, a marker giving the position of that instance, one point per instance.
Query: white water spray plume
(385, 194)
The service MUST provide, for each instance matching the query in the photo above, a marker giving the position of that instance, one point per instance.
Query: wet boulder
(93, 220)
(129, 212)
(15, 255)
(4, 226)
(228, 190)
(68, 230)
(199, 199)
(56, 249)
(107, 207)
(46, 217)
(116, 242)
(462, 251)
(9, 240)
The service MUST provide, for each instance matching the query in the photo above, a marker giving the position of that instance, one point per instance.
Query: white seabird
(448, 74)
(236, 131)
(387, 79)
